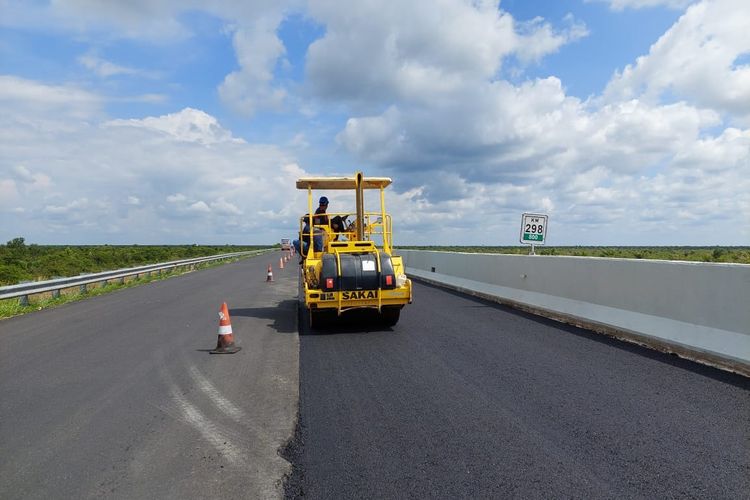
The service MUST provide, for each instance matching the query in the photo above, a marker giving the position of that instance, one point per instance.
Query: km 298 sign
(533, 229)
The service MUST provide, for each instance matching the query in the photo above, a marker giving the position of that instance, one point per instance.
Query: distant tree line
(737, 255)
(21, 262)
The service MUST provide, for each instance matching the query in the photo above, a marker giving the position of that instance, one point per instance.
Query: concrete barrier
(697, 310)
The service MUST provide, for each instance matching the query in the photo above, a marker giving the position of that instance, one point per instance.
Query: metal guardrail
(23, 290)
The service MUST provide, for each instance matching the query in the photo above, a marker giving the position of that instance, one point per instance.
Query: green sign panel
(532, 237)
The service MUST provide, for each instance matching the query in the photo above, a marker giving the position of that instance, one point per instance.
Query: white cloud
(488, 147)
(257, 48)
(48, 100)
(175, 198)
(536, 149)
(190, 125)
(299, 141)
(501, 130)
(161, 179)
(419, 50)
(640, 4)
(695, 60)
(31, 181)
(543, 40)
(23, 173)
(68, 208)
(153, 19)
(8, 192)
(664, 151)
(253, 27)
(147, 98)
(223, 207)
(199, 207)
(104, 68)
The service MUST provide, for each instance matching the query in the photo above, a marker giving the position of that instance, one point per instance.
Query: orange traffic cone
(225, 344)
(269, 274)
(281, 263)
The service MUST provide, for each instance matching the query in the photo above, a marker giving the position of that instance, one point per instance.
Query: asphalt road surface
(469, 399)
(116, 396)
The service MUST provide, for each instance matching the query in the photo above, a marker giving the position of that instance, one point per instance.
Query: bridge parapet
(697, 310)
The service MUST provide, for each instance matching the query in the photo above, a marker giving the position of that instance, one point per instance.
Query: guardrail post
(56, 293)
(24, 299)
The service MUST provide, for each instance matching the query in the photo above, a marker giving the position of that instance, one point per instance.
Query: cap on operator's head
(323, 200)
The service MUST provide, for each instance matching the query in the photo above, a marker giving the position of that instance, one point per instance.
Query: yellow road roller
(347, 259)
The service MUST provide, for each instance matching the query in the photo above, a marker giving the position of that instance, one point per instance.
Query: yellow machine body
(351, 265)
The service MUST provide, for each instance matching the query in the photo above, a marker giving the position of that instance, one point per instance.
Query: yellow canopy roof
(341, 182)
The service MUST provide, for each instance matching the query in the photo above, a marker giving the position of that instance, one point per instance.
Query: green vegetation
(21, 262)
(12, 307)
(738, 255)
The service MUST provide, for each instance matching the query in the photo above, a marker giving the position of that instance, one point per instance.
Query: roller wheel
(390, 315)
(320, 318)
(313, 319)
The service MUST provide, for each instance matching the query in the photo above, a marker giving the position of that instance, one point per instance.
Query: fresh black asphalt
(116, 396)
(469, 399)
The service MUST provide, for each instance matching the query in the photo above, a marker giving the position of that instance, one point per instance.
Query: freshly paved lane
(117, 396)
(468, 399)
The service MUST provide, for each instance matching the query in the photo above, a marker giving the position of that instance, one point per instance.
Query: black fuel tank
(359, 271)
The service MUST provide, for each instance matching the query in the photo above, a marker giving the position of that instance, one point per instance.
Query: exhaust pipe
(359, 182)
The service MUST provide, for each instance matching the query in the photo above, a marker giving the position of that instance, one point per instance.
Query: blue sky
(627, 121)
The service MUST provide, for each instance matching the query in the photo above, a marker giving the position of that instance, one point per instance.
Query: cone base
(230, 349)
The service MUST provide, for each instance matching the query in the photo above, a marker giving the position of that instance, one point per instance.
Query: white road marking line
(208, 429)
(223, 404)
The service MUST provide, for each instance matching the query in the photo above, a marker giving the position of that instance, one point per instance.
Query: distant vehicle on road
(286, 244)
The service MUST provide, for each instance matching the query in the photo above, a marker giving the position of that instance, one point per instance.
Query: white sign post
(533, 230)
